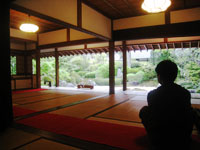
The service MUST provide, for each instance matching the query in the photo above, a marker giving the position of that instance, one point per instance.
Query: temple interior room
(76, 73)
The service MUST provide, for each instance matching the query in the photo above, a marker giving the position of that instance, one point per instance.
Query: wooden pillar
(124, 66)
(6, 113)
(79, 13)
(38, 80)
(111, 67)
(25, 60)
(57, 67)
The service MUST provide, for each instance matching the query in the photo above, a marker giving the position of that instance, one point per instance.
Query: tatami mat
(12, 138)
(128, 111)
(40, 98)
(57, 102)
(44, 144)
(116, 121)
(87, 109)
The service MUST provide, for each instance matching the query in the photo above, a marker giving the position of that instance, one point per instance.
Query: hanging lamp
(29, 26)
(155, 6)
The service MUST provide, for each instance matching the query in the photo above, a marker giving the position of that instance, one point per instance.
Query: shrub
(82, 73)
(133, 70)
(103, 71)
(90, 75)
(186, 84)
(138, 77)
(118, 81)
(102, 81)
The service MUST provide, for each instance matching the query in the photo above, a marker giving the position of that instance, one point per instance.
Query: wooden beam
(68, 34)
(57, 66)
(167, 17)
(111, 67)
(159, 31)
(80, 51)
(79, 13)
(124, 66)
(71, 43)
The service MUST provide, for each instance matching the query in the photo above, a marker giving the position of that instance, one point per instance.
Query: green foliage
(149, 72)
(103, 71)
(102, 81)
(135, 64)
(13, 65)
(193, 73)
(82, 73)
(75, 69)
(34, 66)
(118, 81)
(90, 75)
(133, 70)
(138, 77)
(64, 76)
(48, 70)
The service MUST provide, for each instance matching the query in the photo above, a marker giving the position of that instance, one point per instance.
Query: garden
(93, 69)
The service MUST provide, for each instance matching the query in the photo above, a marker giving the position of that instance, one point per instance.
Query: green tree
(13, 65)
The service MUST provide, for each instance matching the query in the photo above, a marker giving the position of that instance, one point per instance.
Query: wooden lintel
(71, 43)
(159, 31)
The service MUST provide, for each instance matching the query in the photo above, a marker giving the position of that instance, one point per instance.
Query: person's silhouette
(168, 118)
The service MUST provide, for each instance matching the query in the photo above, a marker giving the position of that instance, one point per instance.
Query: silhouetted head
(166, 71)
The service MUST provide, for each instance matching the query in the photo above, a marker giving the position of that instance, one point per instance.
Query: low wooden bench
(85, 86)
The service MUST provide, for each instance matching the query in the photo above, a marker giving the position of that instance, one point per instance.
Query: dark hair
(167, 70)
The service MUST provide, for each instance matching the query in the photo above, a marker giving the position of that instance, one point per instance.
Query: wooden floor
(120, 108)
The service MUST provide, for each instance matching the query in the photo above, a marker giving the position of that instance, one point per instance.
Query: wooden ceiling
(113, 9)
(17, 18)
(116, 9)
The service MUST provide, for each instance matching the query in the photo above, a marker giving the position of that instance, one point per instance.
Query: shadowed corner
(143, 142)
(195, 142)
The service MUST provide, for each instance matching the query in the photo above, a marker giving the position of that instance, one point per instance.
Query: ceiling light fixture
(155, 6)
(28, 26)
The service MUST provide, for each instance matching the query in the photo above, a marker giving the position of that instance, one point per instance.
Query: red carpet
(126, 137)
(17, 111)
(24, 91)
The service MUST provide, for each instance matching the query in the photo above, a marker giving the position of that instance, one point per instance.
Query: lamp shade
(155, 6)
(29, 27)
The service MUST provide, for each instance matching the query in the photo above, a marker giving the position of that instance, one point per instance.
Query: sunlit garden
(93, 69)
